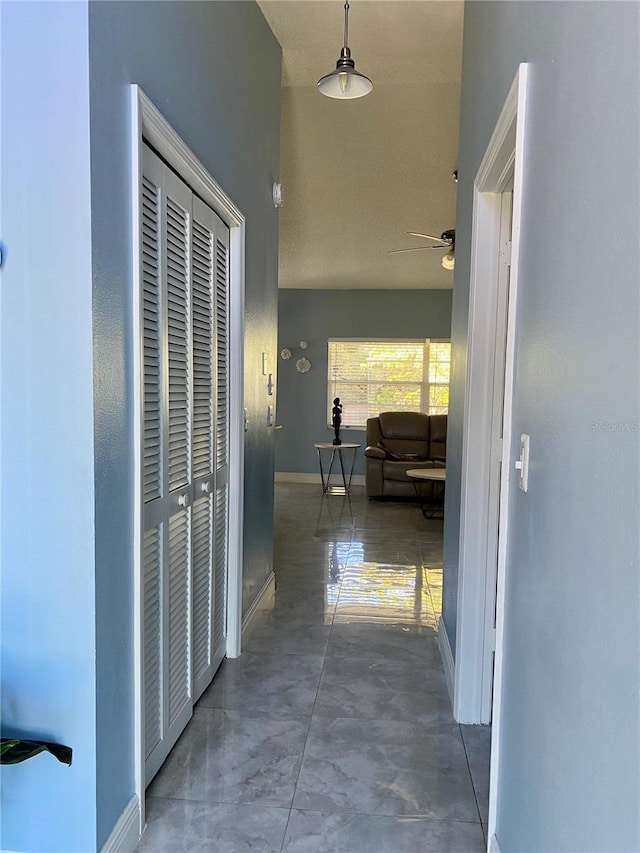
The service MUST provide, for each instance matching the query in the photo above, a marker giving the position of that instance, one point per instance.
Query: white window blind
(373, 376)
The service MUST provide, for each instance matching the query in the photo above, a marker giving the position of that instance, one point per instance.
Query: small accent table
(435, 475)
(327, 488)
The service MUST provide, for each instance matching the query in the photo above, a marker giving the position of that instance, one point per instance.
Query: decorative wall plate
(303, 344)
(303, 365)
(285, 353)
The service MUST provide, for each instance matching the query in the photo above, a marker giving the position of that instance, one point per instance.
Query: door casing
(147, 122)
(478, 678)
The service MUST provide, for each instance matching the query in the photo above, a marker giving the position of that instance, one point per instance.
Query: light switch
(522, 464)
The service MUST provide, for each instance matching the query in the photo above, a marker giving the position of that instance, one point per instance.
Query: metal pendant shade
(345, 82)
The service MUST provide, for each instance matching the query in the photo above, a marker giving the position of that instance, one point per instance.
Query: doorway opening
(487, 444)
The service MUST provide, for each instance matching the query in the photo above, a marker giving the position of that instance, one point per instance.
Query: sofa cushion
(412, 426)
(398, 470)
(438, 437)
(397, 449)
(399, 457)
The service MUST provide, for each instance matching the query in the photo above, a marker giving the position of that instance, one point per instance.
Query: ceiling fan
(447, 240)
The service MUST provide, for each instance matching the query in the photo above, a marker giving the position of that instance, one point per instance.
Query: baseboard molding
(263, 601)
(494, 847)
(447, 658)
(295, 477)
(125, 835)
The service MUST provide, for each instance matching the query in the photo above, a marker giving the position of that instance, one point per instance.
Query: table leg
(325, 484)
(430, 509)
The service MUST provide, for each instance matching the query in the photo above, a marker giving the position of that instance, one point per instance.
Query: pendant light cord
(346, 24)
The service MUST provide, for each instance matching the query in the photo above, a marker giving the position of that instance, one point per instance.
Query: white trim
(295, 477)
(148, 122)
(481, 452)
(236, 438)
(138, 523)
(507, 469)
(480, 571)
(125, 835)
(447, 657)
(494, 847)
(263, 601)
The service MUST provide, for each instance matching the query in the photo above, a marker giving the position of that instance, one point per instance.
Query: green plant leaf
(14, 750)
(7, 744)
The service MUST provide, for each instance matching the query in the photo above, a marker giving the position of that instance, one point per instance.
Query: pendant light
(345, 82)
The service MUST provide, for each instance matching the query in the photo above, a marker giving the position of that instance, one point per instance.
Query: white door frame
(148, 122)
(481, 581)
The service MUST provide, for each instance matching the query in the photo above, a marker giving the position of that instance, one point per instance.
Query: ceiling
(357, 175)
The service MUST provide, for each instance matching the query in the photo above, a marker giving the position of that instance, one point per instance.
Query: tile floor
(333, 731)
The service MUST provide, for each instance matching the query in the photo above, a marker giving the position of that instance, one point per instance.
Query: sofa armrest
(374, 453)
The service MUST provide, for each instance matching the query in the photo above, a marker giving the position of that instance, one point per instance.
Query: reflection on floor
(333, 731)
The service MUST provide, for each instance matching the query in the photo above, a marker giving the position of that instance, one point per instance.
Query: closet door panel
(202, 534)
(185, 365)
(177, 455)
(203, 241)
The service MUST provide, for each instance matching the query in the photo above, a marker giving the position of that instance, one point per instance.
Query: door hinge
(497, 449)
(506, 253)
(493, 639)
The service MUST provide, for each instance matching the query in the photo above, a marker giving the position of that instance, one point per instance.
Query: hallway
(333, 731)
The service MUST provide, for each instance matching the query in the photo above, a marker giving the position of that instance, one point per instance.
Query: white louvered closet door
(167, 415)
(209, 595)
(185, 441)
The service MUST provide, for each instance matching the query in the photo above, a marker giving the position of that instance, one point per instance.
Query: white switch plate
(522, 464)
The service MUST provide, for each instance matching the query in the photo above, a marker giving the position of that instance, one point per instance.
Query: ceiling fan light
(449, 261)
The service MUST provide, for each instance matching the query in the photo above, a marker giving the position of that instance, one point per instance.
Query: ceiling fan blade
(417, 249)
(426, 236)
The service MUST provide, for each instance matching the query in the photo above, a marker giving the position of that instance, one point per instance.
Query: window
(387, 375)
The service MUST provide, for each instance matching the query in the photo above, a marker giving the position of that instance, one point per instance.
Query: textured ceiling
(357, 175)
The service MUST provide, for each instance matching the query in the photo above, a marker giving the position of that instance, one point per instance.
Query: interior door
(497, 430)
(185, 449)
(210, 441)
(167, 415)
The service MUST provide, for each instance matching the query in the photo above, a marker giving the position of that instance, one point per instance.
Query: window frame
(425, 384)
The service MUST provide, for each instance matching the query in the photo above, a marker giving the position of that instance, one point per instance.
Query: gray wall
(570, 736)
(67, 543)
(47, 580)
(180, 54)
(316, 316)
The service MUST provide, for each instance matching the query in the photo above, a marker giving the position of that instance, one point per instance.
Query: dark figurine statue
(336, 419)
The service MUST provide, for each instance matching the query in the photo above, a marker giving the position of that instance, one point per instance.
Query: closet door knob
(184, 499)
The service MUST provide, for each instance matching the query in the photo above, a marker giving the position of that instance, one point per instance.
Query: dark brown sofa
(393, 435)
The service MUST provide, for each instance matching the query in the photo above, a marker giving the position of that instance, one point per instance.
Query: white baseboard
(126, 833)
(447, 658)
(263, 601)
(494, 847)
(295, 477)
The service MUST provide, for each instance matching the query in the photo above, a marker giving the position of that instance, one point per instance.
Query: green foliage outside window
(375, 376)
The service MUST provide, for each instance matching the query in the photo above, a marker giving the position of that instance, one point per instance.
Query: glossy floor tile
(333, 731)
(341, 832)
